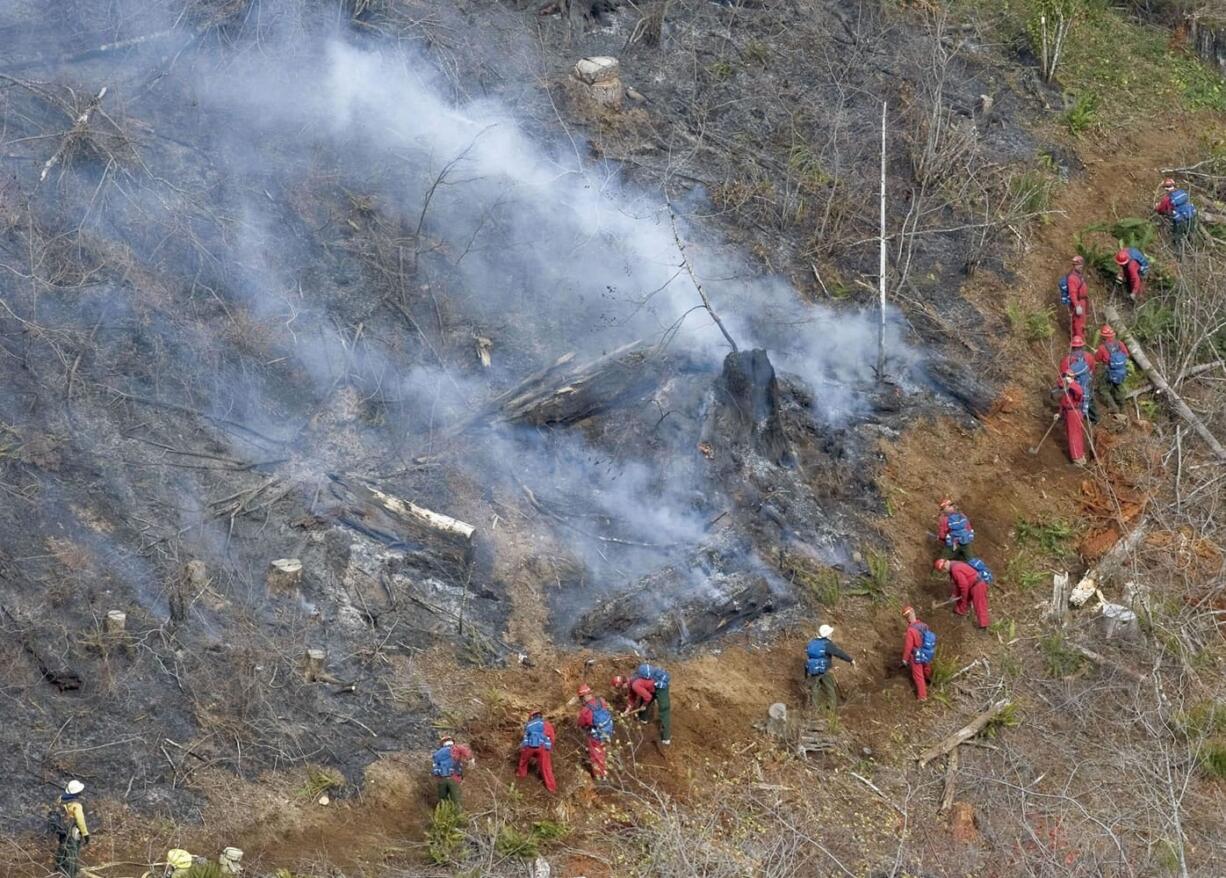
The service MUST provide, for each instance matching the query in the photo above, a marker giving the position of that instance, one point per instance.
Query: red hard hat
(945, 501)
(1168, 183)
(1078, 341)
(618, 681)
(1122, 257)
(445, 740)
(534, 714)
(938, 564)
(1107, 331)
(585, 689)
(1079, 260)
(908, 609)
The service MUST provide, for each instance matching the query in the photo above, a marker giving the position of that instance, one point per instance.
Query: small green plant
(1008, 718)
(1059, 659)
(721, 70)
(1023, 571)
(878, 577)
(943, 670)
(321, 780)
(446, 833)
(1030, 191)
(513, 843)
(549, 830)
(1151, 321)
(1033, 324)
(1213, 759)
(1004, 629)
(1083, 114)
(1053, 537)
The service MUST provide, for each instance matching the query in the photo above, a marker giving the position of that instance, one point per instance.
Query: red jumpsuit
(969, 588)
(1078, 298)
(920, 674)
(596, 753)
(1164, 207)
(544, 759)
(641, 692)
(1132, 279)
(1070, 408)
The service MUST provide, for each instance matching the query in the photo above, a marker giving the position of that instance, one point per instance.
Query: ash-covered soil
(262, 272)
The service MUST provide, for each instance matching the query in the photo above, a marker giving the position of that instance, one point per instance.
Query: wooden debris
(812, 738)
(965, 733)
(777, 721)
(53, 668)
(78, 129)
(313, 661)
(115, 622)
(1191, 373)
(1105, 662)
(1058, 610)
(1109, 565)
(396, 521)
(1180, 407)
(951, 780)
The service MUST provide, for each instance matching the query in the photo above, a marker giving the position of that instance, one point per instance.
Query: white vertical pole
(881, 266)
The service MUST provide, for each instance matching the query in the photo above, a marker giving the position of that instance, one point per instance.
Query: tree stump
(284, 574)
(197, 574)
(962, 823)
(1118, 623)
(231, 861)
(115, 622)
(313, 665)
(777, 721)
(601, 77)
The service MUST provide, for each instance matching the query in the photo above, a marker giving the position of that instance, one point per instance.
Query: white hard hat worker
(825, 631)
(74, 788)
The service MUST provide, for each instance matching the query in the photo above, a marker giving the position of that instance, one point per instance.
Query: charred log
(54, 669)
(650, 611)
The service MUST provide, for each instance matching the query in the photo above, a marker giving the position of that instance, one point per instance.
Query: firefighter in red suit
(1130, 274)
(968, 587)
(921, 671)
(537, 744)
(1070, 409)
(596, 721)
(1076, 295)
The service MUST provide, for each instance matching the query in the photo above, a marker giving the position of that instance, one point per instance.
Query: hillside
(534, 386)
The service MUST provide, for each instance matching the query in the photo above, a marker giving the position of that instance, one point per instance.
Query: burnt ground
(210, 308)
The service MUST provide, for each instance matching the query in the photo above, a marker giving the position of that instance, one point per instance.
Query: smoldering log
(565, 391)
(647, 612)
(396, 521)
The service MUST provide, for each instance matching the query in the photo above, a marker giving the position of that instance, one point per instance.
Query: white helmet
(825, 631)
(74, 788)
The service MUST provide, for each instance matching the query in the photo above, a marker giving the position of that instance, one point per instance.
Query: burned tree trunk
(662, 610)
(745, 415)
(566, 392)
(399, 522)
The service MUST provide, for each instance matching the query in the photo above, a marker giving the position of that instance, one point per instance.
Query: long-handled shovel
(1050, 427)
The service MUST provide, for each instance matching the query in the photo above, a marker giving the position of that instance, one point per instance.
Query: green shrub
(321, 780)
(1023, 571)
(1053, 537)
(206, 869)
(513, 843)
(1030, 191)
(1059, 659)
(1034, 325)
(1213, 759)
(1083, 114)
(878, 578)
(446, 833)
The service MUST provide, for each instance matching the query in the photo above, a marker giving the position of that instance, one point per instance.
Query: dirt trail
(720, 695)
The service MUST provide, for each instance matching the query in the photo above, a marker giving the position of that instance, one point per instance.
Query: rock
(962, 823)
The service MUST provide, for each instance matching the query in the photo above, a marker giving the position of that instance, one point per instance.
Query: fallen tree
(1160, 383)
(968, 731)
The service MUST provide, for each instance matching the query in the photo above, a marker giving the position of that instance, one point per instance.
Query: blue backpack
(982, 569)
(444, 764)
(1117, 362)
(927, 649)
(655, 674)
(534, 735)
(1141, 260)
(1064, 296)
(818, 660)
(602, 721)
(960, 531)
(1184, 208)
